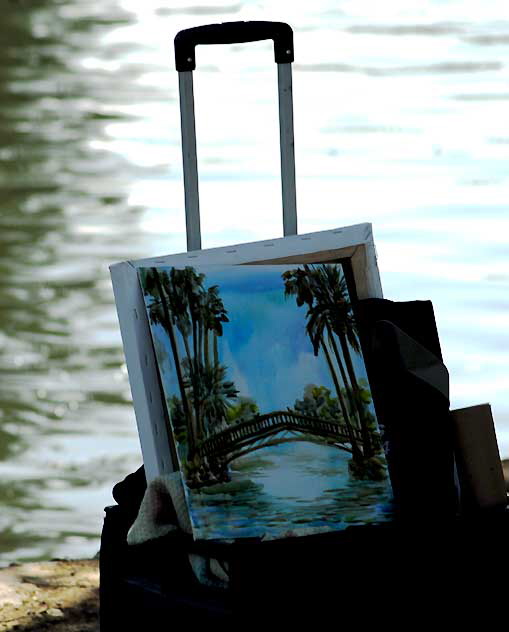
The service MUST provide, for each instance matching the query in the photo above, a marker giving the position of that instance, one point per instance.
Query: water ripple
(438, 68)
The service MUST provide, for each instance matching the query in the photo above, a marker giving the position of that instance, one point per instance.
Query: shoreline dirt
(61, 596)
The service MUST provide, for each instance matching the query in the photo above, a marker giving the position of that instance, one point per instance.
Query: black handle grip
(233, 33)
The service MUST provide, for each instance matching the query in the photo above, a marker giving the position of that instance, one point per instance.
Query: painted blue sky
(265, 347)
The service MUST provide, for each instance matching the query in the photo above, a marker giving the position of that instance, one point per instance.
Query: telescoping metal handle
(185, 62)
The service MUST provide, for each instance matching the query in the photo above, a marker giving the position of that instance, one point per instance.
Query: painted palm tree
(318, 324)
(184, 287)
(319, 329)
(298, 283)
(176, 284)
(192, 286)
(331, 293)
(190, 313)
(214, 315)
(217, 315)
(215, 396)
(160, 314)
(179, 305)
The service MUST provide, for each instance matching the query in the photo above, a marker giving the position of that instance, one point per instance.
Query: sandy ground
(61, 596)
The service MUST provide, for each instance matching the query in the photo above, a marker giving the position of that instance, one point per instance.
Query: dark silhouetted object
(410, 388)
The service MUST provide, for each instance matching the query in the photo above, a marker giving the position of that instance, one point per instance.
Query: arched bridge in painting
(259, 432)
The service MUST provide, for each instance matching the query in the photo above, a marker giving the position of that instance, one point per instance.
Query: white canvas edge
(353, 242)
(148, 399)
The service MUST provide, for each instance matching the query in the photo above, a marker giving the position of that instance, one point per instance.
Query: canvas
(269, 408)
(353, 246)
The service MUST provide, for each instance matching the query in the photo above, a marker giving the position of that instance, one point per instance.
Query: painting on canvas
(268, 401)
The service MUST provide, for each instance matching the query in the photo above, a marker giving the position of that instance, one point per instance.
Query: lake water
(400, 120)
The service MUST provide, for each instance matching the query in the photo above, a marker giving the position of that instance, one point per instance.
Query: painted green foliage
(193, 318)
(332, 330)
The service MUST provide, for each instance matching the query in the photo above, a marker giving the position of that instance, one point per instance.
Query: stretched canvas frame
(353, 244)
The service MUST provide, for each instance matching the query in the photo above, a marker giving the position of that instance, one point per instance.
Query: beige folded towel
(156, 518)
(163, 510)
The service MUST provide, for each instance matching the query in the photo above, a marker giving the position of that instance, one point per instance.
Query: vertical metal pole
(284, 79)
(190, 165)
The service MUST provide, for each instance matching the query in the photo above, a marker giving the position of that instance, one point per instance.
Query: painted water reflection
(259, 500)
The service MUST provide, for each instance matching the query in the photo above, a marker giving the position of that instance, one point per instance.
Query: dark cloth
(415, 318)
(409, 385)
(129, 493)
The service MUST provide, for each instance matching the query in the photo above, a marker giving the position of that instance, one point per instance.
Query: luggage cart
(232, 33)
(152, 586)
